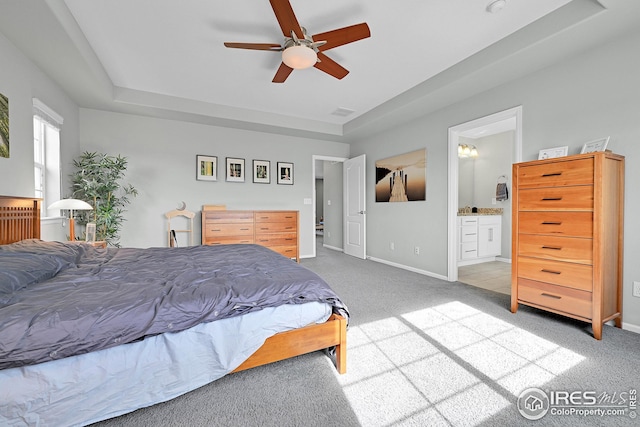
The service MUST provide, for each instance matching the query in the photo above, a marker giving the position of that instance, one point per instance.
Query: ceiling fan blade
(255, 46)
(330, 66)
(282, 73)
(286, 18)
(343, 36)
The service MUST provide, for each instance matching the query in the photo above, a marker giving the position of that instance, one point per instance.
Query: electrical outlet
(328, 234)
(636, 289)
(392, 246)
(416, 250)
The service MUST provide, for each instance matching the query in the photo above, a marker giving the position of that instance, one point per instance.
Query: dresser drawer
(225, 229)
(279, 239)
(288, 251)
(557, 198)
(229, 240)
(566, 300)
(227, 216)
(570, 249)
(577, 276)
(269, 216)
(275, 227)
(556, 173)
(572, 224)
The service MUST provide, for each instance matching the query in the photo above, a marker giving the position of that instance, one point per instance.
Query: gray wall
(162, 161)
(21, 81)
(582, 98)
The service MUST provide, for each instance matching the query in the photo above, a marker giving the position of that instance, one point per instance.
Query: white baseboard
(507, 260)
(631, 327)
(333, 248)
(406, 267)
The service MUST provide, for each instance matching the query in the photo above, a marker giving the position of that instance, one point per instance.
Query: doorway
(329, 171)
(508, 120)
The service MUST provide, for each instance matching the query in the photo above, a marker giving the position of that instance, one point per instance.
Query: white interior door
(354, 207)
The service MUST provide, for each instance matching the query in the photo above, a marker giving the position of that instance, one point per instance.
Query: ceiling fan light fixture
(299, 57)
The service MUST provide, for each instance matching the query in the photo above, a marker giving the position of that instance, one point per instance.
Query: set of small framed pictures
(235, 170)
(589, 147)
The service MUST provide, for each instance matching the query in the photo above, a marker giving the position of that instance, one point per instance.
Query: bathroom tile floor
(495, 276)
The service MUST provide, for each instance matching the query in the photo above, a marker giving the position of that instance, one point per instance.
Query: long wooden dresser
(567, 239)
(276, 230)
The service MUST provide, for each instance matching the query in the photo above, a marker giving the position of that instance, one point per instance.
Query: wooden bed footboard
(332, 333)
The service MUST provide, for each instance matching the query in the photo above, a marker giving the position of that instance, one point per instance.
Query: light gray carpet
(422, 352)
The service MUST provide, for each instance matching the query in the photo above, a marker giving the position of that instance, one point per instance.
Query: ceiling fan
(301, 50)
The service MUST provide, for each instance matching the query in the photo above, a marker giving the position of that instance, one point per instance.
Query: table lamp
(71, 205)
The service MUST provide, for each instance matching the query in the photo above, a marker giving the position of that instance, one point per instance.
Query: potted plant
(97, 180)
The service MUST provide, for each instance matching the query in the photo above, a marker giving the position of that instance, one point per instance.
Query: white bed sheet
(91, 387)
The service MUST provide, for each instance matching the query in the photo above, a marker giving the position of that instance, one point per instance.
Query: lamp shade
(299, 57)
(71, 204)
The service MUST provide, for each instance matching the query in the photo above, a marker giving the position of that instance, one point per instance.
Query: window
(46, 154)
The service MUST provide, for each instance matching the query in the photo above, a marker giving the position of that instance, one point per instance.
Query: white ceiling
(166, 57)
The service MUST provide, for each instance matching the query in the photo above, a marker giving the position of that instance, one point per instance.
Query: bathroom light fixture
(71, 205)
(465, 150)
(299, 57)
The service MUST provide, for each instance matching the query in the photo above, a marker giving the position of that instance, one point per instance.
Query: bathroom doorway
(473, 182)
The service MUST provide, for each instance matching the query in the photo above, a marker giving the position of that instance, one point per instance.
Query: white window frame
(47, 125)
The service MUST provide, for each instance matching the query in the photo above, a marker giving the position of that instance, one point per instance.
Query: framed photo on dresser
(597, 145)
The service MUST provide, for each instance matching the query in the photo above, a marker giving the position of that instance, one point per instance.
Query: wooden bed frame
(20, 219)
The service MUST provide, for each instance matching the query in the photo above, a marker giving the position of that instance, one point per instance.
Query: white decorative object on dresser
(480, 238)
(567, 237)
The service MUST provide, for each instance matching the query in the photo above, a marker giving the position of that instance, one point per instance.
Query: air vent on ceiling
(342, 112)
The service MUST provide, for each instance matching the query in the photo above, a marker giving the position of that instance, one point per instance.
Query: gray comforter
(59, 300)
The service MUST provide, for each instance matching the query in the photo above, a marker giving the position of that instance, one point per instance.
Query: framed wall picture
(206, 168)
(4, 126)
(597, 145)
(285, 173)
(261, 171)
(552, 153)
(235, 169)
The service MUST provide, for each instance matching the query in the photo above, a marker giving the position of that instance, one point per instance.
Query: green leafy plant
(97, 181)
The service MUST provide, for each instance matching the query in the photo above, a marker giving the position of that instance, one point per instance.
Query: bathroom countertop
(481, 211)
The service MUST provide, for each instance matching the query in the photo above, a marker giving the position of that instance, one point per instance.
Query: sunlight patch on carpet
(444, 365)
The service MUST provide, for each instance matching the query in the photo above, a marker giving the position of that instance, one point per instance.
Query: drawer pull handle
(470, 234)
(551, 223)
(472, 250)
(544, 294)
(244, 229)
(552, 174)
(551, 199)
(555, 248)
(544, 270)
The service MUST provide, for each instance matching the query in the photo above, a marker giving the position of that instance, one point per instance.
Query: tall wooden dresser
(567, 239)
(276, 230)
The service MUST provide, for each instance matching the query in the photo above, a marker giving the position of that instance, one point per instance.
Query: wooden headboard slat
(19, 219)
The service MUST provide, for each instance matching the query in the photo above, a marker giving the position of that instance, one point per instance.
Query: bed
(87, 354)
